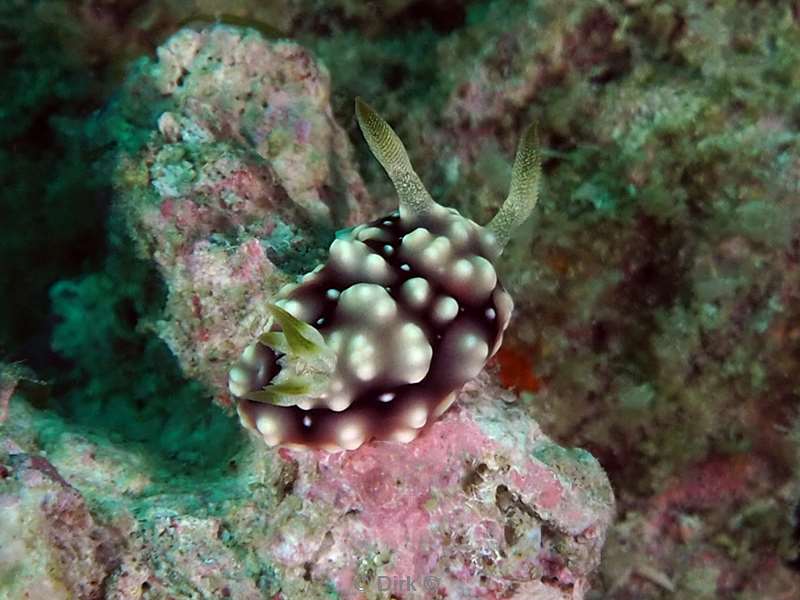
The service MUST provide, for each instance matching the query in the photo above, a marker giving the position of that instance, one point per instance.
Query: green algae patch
(124, 383)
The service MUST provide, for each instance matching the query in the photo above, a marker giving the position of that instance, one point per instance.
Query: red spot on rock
(377, 486)
(224, 400)
(253, 261)
(168, 209)
(254, 249)
(558, 261)
(717, 481)
(40, 466)
(516, 369)
(197, 307)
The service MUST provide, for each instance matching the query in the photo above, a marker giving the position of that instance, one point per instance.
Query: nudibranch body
(408, 308)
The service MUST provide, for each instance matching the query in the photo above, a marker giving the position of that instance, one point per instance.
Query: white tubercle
(416, 292)
(445, 309)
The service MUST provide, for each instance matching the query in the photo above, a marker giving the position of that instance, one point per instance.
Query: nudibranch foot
(408, 308)
(401, 419)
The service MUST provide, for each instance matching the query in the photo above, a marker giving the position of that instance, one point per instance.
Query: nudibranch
(376, 342)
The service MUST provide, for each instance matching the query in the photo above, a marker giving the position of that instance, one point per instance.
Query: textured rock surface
(50, 544)
(481, 505)
(8, 383)
(236, 168)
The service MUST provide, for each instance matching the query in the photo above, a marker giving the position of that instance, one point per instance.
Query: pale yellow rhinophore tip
(383, 141)
(524, 191)
(391, 153)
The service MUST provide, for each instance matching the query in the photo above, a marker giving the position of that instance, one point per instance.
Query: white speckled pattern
(375, 342)
(388, 331)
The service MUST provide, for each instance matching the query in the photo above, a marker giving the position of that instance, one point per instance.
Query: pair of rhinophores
(376, 342)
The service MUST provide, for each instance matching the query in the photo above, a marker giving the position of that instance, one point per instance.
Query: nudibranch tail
(376, 342)
(391, 153)
(524, 191)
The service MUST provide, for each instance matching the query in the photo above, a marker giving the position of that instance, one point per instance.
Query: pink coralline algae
(483, 504)
(46, 528)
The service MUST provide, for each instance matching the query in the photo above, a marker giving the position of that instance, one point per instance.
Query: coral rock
(50, 544)
(481, 504)
(230, 164)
